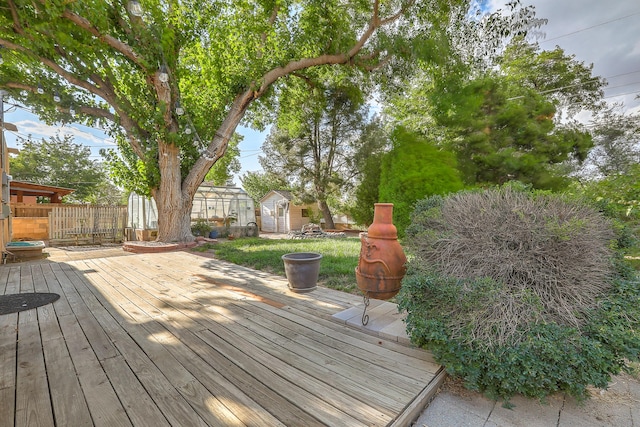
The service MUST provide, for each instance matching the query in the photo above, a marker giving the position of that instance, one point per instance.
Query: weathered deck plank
(165, 397)
(252, 318)
(177, 339)
(67, 398)
(33, 405)
(230, 339)
(9, 283)
(252, 315)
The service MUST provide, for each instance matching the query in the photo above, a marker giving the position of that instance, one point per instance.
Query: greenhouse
(223, 206)
(226, 211)
(142, 218)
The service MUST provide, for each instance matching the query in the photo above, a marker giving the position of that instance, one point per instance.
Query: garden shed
(280, 215)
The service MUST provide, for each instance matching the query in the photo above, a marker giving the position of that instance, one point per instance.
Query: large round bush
(517, 292)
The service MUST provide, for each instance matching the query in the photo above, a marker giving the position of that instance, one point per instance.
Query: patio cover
(22, 188)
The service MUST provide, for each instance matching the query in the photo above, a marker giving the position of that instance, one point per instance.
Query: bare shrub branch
(537, 247)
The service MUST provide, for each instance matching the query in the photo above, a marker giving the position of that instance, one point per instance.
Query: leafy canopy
(258, 184)
(374, 143)
(313, 146)
(223, 62)
(499, 106)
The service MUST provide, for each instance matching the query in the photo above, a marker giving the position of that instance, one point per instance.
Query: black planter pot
(302, 269)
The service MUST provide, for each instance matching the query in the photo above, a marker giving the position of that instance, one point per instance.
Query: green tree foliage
(258, 184)
(565, 81)
(517, 292)
(313, 145)
(367, 161)
(367, 193)
(222, 172)
(617, 143)
(500, 137)
(498, 104)
(620, 192)
(612, 171)
(413, 169)
(60, 162)
(222, 62)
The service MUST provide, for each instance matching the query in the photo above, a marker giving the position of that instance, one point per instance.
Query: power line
(623, 74)
(577, 84)
(621, 94)
(251, 155)
(591, 27)
(626, 84)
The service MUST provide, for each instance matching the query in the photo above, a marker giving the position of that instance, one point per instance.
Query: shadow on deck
(178, 339)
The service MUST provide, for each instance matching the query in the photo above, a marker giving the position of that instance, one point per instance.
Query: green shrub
(414, 168)
(517, 292)
(201, 228)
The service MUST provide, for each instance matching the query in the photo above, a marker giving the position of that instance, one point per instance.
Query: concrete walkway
(383, 320)
(454, 406)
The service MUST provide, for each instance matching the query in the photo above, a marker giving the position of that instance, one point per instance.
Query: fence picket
(87, 223)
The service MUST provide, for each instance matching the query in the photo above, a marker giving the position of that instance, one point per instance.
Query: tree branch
(57, 69)
(306, 79)
(95, 112)
(16, 19)
(116, 44)
(90, 111)
(397, 15)
(218, 145)
(21, 86)
(375, 22)
(263, 36)
(379, 65)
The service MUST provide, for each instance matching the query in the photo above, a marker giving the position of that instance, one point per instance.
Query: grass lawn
(337, 268)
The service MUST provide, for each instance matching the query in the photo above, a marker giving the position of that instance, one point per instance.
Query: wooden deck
(176, 339)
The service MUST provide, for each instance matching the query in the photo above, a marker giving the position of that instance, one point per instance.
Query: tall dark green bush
(413, 169)
(366, 195)
(516, 292)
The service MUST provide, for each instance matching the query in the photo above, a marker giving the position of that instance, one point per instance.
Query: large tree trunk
(174, 206)
(326, 214)
(174, 197)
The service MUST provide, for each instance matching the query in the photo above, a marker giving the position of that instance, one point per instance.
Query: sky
(603, 33)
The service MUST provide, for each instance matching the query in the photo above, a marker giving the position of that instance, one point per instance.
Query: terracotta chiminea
(382, 261)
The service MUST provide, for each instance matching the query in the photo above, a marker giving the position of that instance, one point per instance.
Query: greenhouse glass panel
(217, 205)
(223, 205)
(141, 213)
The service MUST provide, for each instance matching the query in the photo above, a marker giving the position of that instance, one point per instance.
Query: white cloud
(42, 130)
(603, 33)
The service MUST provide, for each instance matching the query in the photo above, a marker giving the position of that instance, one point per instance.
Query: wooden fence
(87, 224)
(31, 210)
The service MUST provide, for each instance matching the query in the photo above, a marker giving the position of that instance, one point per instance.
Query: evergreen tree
(414, 169)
